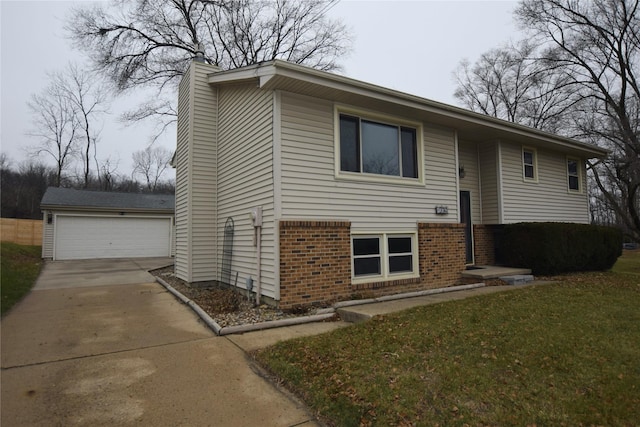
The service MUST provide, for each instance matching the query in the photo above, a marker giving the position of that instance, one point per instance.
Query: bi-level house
(331, 187)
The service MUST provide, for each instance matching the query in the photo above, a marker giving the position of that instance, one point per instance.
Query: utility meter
(256, 216)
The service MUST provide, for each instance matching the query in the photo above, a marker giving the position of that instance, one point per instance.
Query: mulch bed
(227, 307)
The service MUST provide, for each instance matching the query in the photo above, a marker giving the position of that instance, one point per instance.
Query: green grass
(558, 354)
(628, 263)
(20, 269)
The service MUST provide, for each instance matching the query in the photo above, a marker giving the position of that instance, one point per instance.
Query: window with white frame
(573, 174)
(384, 255)
(377, 148)
(529, 164)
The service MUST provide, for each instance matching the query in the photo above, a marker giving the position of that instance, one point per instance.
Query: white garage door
(84, 237)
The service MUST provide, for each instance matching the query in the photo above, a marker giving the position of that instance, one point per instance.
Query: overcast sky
(411, 46)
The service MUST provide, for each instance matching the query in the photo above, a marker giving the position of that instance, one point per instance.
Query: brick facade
(315, 262)
(484, 244)
(442, 253)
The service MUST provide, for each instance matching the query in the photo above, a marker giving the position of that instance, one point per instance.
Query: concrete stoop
(484, 272)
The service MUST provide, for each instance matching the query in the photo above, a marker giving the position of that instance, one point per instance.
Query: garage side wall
(47, 236)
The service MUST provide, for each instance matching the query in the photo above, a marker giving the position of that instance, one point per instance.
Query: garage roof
(56, 197)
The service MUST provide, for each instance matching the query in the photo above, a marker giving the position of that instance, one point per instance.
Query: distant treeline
(22, 187)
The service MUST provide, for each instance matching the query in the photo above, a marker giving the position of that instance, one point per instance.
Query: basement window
(384, 256)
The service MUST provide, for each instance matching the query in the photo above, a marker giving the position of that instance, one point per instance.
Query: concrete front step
(493, 272)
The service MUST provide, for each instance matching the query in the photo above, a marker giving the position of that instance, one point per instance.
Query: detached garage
(81, 224)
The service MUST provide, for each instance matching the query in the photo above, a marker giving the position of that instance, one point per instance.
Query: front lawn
(629, 262)
(558, 354)
(20, 268)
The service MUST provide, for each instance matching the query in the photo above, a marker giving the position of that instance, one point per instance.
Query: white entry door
(85, 237)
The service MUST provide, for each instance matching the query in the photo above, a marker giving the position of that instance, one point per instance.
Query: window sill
(369, 286)
(389, 278)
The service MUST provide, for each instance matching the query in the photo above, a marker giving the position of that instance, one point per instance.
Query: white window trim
(384, 257)
(383, 119)
(579, 163)
(535, 164)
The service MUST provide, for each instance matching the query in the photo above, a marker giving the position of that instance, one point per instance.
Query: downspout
(259, 263)
(256, 221)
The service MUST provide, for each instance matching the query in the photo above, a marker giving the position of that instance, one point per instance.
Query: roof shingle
(68, 197)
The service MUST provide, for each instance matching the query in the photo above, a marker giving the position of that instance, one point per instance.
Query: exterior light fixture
(461, 172)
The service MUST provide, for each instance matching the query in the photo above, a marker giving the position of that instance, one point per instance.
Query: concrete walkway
(99, 343)
(252, 341)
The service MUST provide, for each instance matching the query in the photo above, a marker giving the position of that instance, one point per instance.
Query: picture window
(376, 148)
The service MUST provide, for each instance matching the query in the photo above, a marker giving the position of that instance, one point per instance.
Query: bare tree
(151, 163)
(577, 75)
(56, 126)
(510, 84)
(88, 99)
(149, 43)
(596, 45)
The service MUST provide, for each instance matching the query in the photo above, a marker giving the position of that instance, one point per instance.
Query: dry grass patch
(562, 354)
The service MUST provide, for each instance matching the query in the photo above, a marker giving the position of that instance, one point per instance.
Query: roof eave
(264, 74)
(103, 209)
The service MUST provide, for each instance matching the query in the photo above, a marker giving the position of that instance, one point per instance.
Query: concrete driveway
(98, 342)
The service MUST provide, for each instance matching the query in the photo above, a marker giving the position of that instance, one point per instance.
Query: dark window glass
(400, 263)
(399, 245)
(380, 149)
(409, 153)
(573, 183)
(574, 177)
(528, 171)
(349, 144)
(528, 160)
(366, 246)
(364, 266)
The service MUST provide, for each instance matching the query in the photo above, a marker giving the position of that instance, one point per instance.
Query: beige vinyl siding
(47, 237)
(182, 180)
(245, 179)
(310, 189)
(468, 157)
(196, 245)
(545, 200)
(489, 187)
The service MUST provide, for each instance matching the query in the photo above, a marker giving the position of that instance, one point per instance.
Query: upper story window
(573, 174)
(377, 148)
(529, 164)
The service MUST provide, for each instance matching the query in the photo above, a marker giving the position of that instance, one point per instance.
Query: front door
(465, 218)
